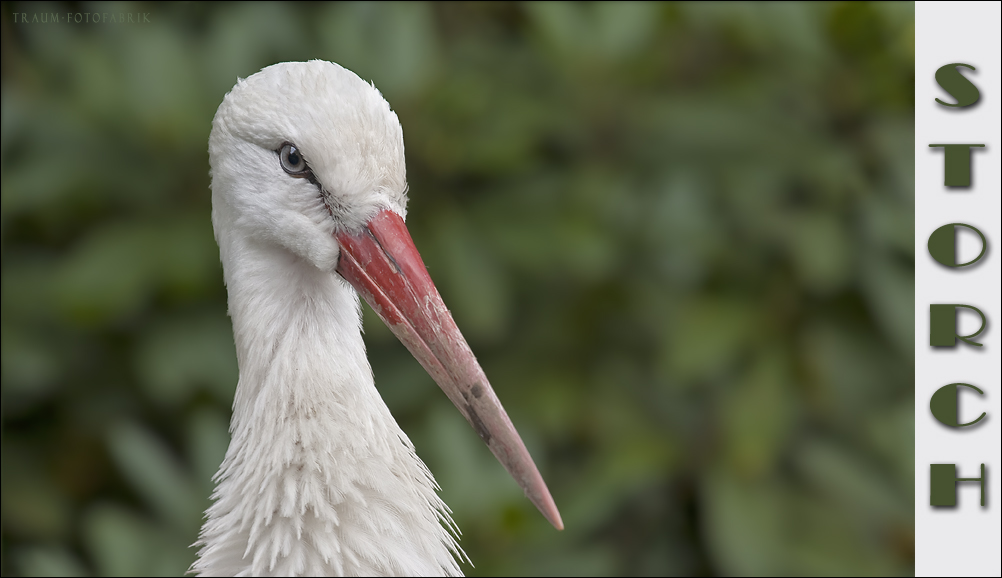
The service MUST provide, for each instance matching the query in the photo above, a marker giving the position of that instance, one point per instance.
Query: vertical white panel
(963, 540)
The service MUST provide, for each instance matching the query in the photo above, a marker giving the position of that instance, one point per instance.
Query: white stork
(308, 205)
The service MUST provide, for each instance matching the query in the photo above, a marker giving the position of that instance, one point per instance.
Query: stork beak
(385, 268)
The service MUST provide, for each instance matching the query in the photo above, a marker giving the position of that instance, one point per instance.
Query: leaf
(208, 437)
(153, 472)
(707, 335)
(744, 525)
(889, 288)
(392, 44)
(118, 540)
(179, 356)
(853, 483)
(49, 561)
(757, 416)
(123, 543)
(821, 252)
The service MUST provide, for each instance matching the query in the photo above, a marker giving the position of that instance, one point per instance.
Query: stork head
(308, 158)
(301, 151)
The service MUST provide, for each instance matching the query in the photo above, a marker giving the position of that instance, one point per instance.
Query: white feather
(318, 479)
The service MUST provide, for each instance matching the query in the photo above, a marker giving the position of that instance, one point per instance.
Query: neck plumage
(318, 478)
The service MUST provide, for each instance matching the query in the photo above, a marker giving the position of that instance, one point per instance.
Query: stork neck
(318, 478)
(293, 323)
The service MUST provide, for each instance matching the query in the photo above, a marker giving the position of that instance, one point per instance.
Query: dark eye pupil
(294, 158)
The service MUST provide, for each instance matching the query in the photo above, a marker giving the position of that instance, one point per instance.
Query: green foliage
(677, 236)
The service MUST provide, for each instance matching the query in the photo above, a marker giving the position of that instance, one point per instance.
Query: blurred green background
(679, 238)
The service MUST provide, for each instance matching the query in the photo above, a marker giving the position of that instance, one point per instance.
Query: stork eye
(292, 161)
